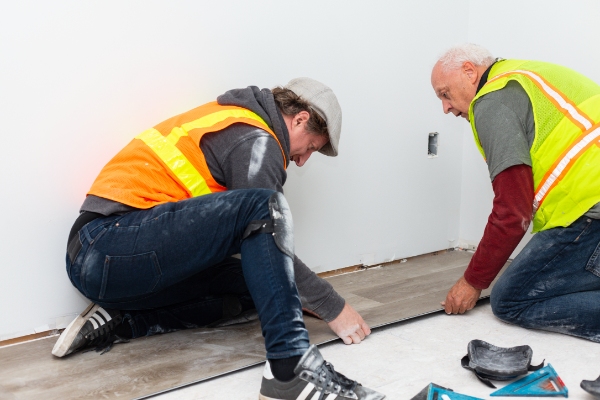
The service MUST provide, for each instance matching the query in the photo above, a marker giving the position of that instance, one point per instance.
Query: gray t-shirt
(506, 129)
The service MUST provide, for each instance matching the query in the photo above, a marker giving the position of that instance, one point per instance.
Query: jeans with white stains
(169, 267)
(554, 283)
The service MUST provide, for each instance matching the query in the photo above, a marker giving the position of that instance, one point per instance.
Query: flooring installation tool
(489, 362)
(592, 387)
(542, 383)
(437, 392)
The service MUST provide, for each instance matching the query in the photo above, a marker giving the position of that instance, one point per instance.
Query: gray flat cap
(323, 101)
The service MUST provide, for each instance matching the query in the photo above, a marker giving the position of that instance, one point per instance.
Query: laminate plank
(419, 266)
(411, 287)
(151, 365)
(359, 302)
(129, 370)
(5, 394)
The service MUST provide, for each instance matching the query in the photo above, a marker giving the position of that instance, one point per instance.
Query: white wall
(562, 32)
(79, 79)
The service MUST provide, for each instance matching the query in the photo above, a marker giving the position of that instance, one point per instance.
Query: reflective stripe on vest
(565, 161)
(175, 160)
(166, 163)
(563, 164)
(564, 105)
(578, 117)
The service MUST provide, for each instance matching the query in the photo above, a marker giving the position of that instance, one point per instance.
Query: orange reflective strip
(564, 164)
(562, 103)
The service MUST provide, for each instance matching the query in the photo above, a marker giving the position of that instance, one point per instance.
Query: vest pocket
(593, 264)
(129, 276)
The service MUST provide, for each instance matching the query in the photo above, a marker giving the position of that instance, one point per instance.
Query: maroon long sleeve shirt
(510, 218)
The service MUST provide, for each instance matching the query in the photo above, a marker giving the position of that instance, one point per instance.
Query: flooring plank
(159, 363)
(419, 266)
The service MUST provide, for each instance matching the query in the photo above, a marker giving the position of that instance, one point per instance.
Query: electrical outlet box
(432, 145)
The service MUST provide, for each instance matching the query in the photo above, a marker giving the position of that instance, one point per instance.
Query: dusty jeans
(169, 260)
(554, 283)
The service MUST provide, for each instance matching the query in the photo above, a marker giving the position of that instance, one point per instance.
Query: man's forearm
(507, 224)
(317, 295)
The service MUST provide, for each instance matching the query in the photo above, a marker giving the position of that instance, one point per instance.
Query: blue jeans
(554, 283)
(169, 267)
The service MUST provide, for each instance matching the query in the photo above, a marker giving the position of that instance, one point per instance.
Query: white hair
(456, 56)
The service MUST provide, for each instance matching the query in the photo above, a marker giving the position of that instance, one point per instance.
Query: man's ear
(470, 71)
(301, 117)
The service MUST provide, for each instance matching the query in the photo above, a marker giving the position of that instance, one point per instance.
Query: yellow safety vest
(565, 153)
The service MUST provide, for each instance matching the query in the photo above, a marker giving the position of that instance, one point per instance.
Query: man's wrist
(331, 307)
(472, 280)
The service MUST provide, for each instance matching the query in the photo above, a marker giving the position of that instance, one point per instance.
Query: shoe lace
(103, 338)
(328, 376)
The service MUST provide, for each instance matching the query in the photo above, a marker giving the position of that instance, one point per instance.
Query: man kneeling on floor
(537, 125)
(153, 245)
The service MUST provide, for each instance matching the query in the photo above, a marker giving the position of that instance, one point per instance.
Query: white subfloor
(401, 359)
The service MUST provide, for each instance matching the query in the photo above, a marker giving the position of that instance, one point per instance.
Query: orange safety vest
(165, 163)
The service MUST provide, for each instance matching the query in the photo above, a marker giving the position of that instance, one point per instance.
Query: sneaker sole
(70, 333)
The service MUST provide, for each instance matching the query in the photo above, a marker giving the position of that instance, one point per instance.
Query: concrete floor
(401, 359)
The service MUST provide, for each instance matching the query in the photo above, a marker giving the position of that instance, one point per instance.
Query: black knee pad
(281, 225)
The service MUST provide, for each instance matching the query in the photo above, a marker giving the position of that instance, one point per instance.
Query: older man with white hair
(537, 126)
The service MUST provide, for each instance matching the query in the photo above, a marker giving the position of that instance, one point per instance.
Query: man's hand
(461, 297)
(350, 326)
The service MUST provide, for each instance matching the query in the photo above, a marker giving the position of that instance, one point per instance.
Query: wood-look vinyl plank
(419, 266)
(411, 287)
(5, 394)
(405, 308)
(318, 331)
(359, 302)
(141, 367)
(159, 363)
(420, 302)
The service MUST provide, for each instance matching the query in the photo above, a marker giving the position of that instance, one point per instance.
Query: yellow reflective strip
(165, 149)
(175, 134)
(216, 117)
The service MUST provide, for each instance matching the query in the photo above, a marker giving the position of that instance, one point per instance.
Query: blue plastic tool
(542, 383)
(436, 392)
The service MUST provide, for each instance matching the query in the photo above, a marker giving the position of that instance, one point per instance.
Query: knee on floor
(502, 307)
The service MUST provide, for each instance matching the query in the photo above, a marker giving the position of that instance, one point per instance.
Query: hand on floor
(461, 297)
(350, 326)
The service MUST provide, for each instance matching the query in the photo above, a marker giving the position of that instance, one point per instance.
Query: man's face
(302, 142)
(455, 88)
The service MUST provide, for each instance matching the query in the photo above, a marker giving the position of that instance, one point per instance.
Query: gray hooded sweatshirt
(245, 157)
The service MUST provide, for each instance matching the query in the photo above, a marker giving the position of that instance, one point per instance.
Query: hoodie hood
(261, 102)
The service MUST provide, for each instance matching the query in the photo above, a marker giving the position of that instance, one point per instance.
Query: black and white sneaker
(315, 380)
(94, 327)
